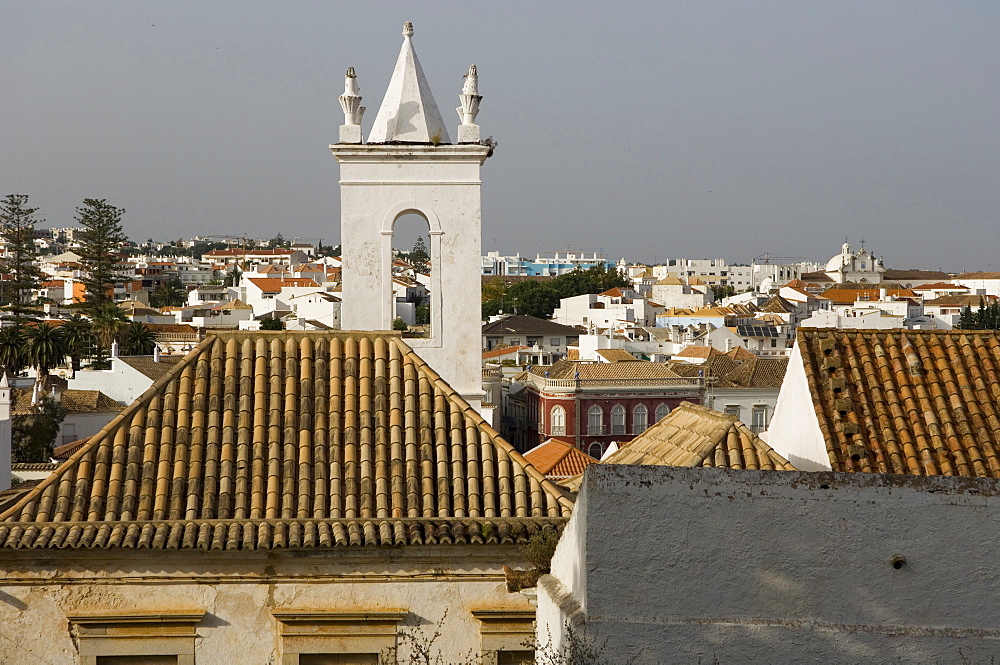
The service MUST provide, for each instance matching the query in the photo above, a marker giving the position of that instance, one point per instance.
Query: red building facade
(601, 404)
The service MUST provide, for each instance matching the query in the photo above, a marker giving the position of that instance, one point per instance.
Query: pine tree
(17, 226)
(100, 240)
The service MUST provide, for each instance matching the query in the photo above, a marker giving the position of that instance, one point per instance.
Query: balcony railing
(558, 430)
(691, 383)
(595, 430)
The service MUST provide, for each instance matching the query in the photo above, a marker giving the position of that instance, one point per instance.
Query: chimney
(156, 353)
(114, 349)
(5, 433)
(883, 294)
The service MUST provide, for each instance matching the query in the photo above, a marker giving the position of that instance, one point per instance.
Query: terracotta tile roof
(613, 292)
(528, 325)
(907, 401)
(778, 305)
(759, 373)
(818, 276)
(151, 368)
(693, 435)
(558, 459)
(978, 275)
(235, 303)
(261, 440)
(840, 296)
(670, 281)
(939, 286)
(638, 369)
(66, 450)
(503, 351)
(616, 355)
(960, 300)
(74, 401)
(274, 285)
(697, 351)
(740, 354)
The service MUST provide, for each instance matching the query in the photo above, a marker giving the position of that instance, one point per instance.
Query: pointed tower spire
(408, 112)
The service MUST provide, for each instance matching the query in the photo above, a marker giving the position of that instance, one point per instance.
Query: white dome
(835, 264)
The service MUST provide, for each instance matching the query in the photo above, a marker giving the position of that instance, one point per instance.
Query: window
(555, 341)
(733, 410)
(595, 421)
(504, 634)
(759, 419)
(661, 412)
(640, 417)
(156, 638)
(558, 421)
(618, 419)
(515, 341)
(595, 450)
(337, 637)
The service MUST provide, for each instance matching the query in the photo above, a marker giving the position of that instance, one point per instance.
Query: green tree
(233, 276)
(44, 347)
(720, 291)
(137, 340)
(422, 315)
(17, 226)
(107, 321)
(79, 337)
(278, 242)
(399, 324)
(270, 323)
(538, 299)
(418, 256)
(33, 434)
(170, 293)
(12, 352)
(100, 240)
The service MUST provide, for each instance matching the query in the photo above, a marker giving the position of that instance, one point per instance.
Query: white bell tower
(410, 166)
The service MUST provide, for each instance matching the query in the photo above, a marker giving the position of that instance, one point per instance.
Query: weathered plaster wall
(718, 565)
(794, 429)
(240, 591)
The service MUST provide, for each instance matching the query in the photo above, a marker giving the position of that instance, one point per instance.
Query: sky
(643, 130)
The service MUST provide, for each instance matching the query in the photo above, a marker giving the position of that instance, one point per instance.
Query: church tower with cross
(409, 166)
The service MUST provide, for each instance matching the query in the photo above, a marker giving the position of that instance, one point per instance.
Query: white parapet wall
(662, 564)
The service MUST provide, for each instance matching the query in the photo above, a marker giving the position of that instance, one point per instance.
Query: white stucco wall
(379, 184)
(717, 565)
(794, 428)
(122, 383)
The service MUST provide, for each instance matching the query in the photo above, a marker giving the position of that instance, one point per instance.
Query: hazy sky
(644, 130)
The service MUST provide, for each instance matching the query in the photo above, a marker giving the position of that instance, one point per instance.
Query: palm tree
(138, 340)
(12, 349)
(45, 347)
(79, 336)
(169, 294)
(108, 321)
(233, 276)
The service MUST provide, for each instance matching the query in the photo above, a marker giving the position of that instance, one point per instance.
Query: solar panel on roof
(757, 331)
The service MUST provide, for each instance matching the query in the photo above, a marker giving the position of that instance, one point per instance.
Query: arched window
(618, 419)
(411, 272)
(557, 418)
(595, 421)
(661, 412)
(595, 450)
(640, 419)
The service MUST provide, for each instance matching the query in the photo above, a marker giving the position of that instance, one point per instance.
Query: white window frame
(557, 420)
(600, 449)
(595, 421)
(504, 630)
(618, 419)
(663, 408)
(640, 419)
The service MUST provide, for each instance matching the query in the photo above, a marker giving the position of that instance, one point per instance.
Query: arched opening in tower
(411, 274)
